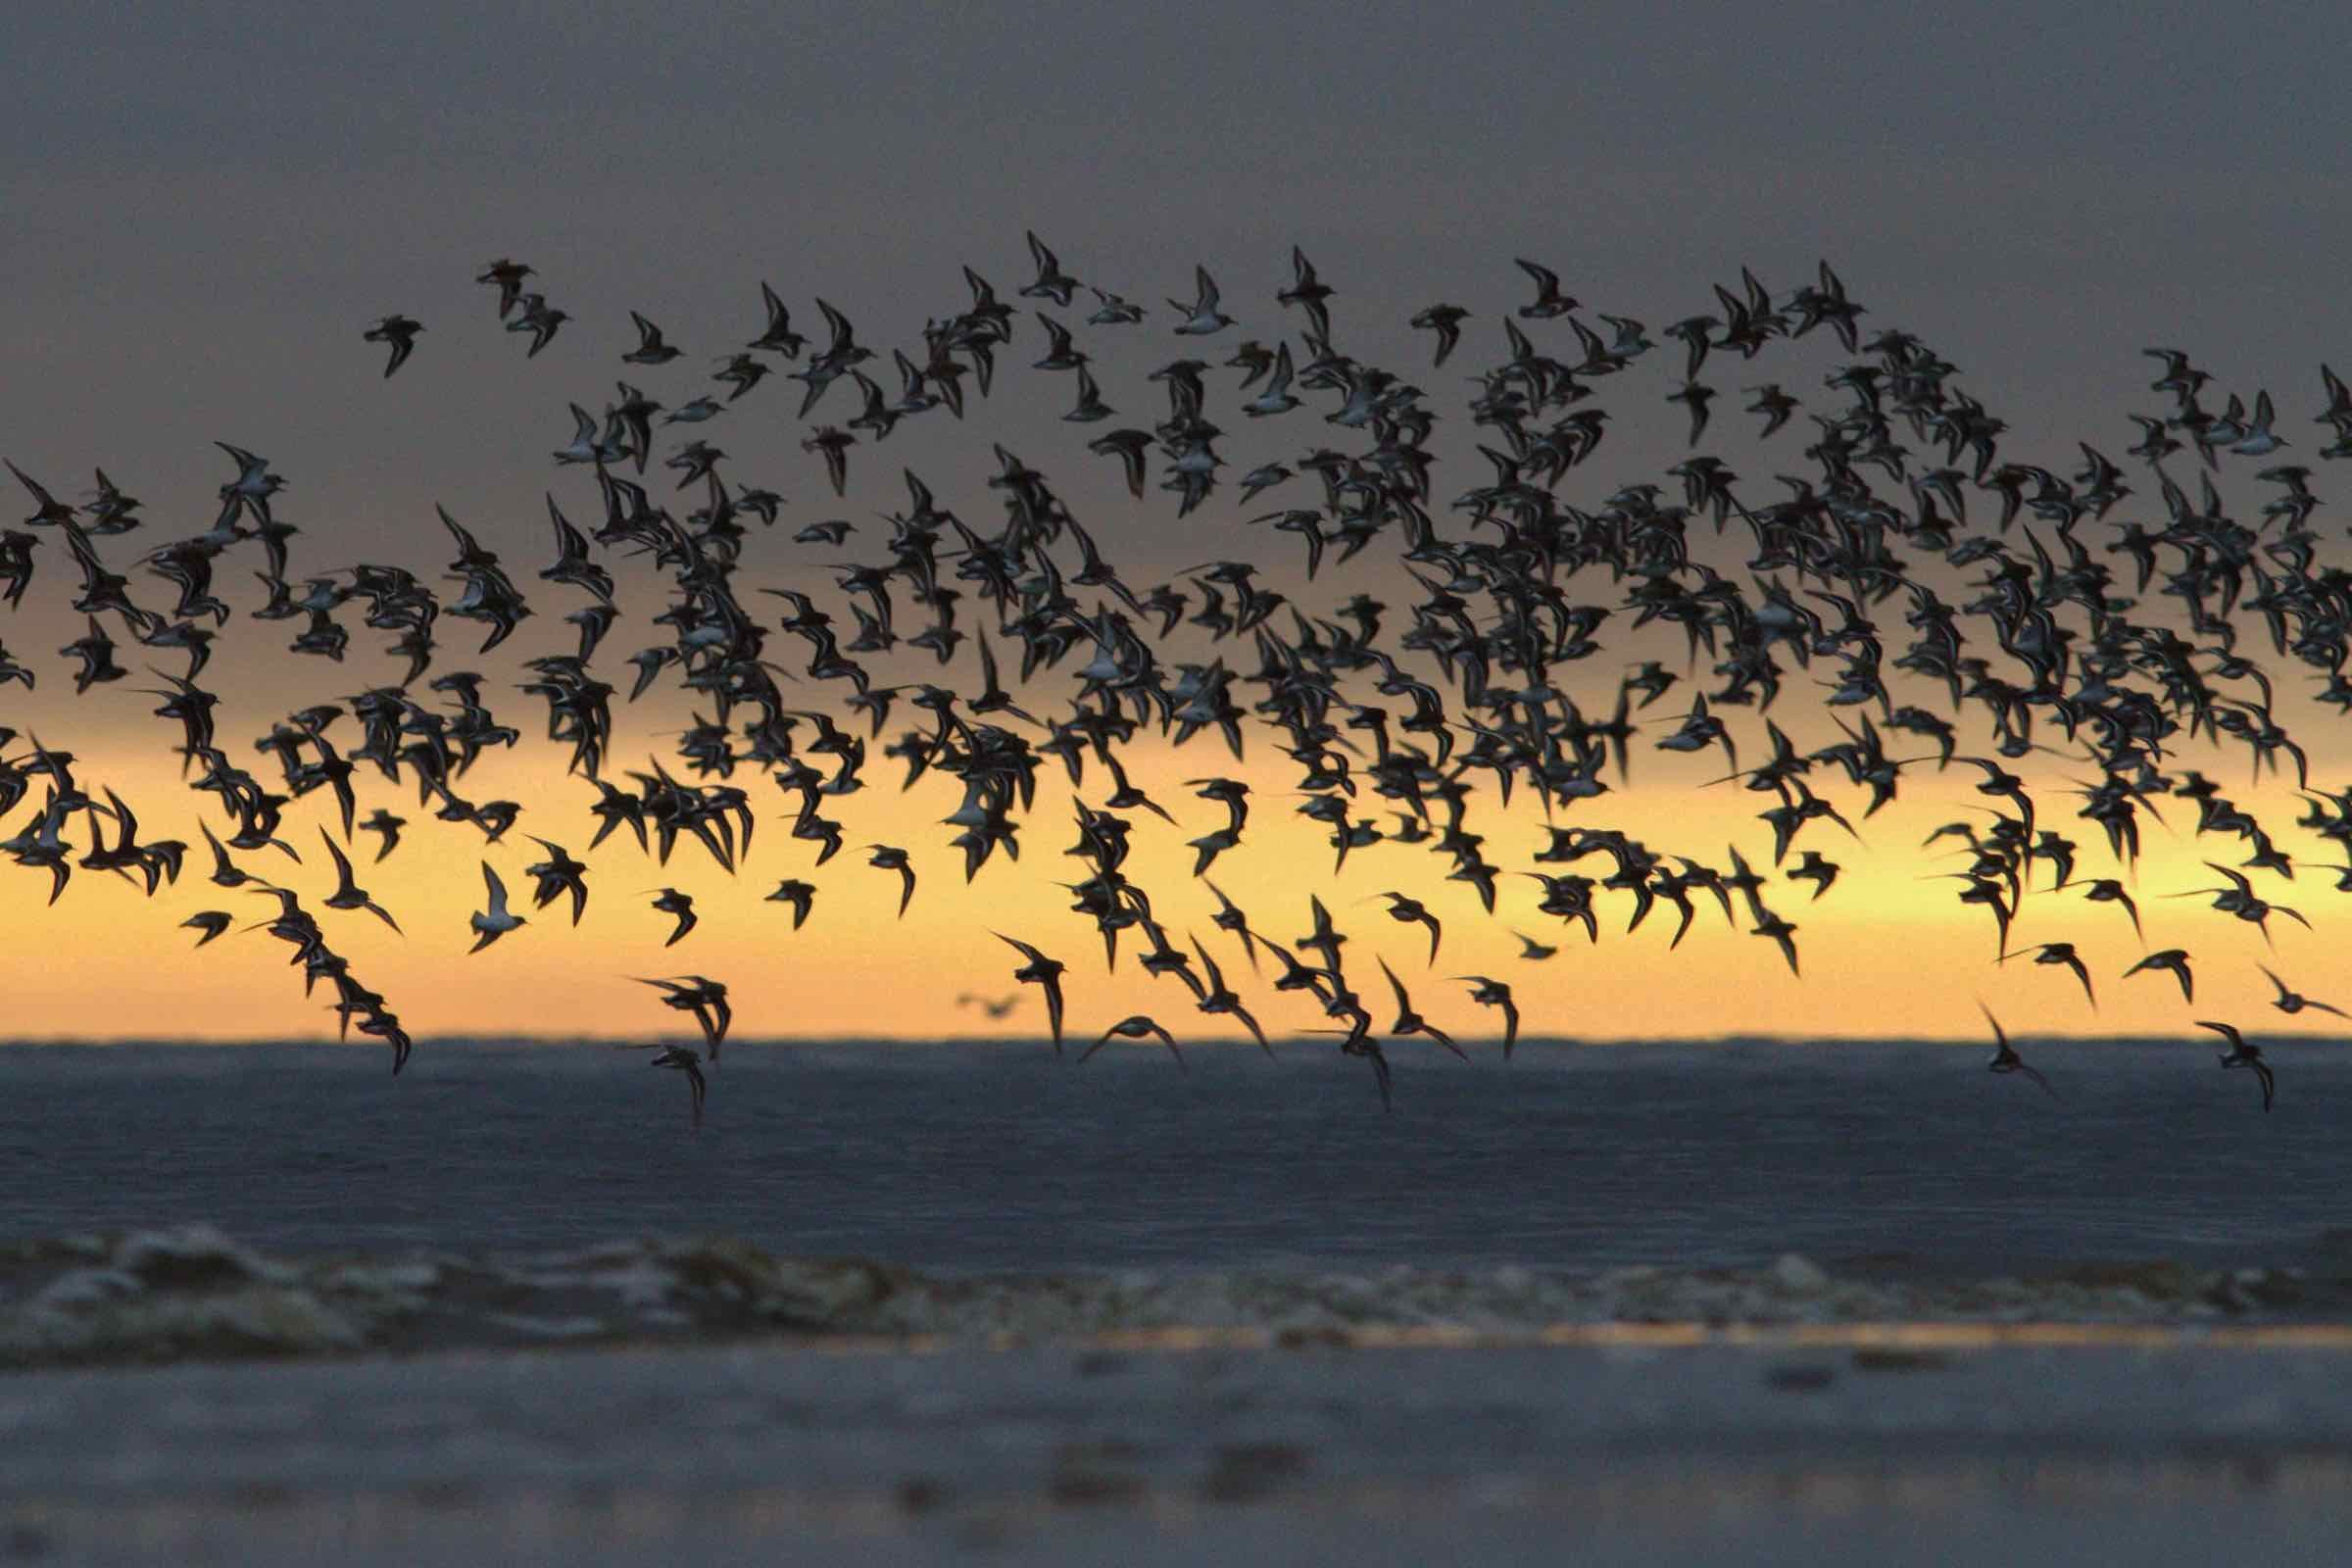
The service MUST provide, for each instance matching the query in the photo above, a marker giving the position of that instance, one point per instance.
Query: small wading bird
(1046, 974)
(684, 1059)
(2005, 1059)
(707, 1000)
(2242, 1054)
(2175, 960)
(1134, 1027)
(1494, 993)
(399, 334)
(991, 1007)
(496, 920)
(2059, 953)
(2288, 1002)
(680, 907)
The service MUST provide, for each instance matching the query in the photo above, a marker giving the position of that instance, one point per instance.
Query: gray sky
(198, 215)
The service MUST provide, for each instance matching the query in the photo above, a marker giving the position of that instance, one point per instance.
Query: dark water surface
(1000, 1158)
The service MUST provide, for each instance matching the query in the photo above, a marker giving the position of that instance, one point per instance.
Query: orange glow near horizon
(1884, 954)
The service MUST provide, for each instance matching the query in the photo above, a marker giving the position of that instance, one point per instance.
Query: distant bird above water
(2243, 1054)
(1494, 993)
(1046, 974)
(689, 1061)
(2005, 1059)
(1134, 1027)
(707, 1000)
(993, 1007)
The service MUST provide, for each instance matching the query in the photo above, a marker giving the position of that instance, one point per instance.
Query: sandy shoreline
(1702, 1453)
(180, 1398)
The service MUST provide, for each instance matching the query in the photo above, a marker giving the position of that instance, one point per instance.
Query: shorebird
(993, 1007)
(707, 1000)
(801, 896)
(680, 905)
(212, 922)
(348, 895)
(1549, 301)
(556, 876)
(398, 333)
(2059, 953)
(1412, 911)
(2242, 1054)
(652, 348)
(684, 1059)
(2291, 1002)
(2175, 960)
(2005, 1059)
(1532, 951)
(1046, 974)
(387, 826)
(1494, 993)
(887, 858)
(496, 922)
(1215, 996)
(1134, 1027)
(1409, 1023)
(1201, 317)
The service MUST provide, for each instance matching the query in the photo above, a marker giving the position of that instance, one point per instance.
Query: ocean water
(984, 1156)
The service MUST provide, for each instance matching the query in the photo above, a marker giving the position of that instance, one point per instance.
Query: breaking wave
(196, 1292)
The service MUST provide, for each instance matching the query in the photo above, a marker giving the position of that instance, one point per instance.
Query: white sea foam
(194, 1292)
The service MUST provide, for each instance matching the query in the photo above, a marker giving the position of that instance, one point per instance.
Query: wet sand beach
(2163, 1448)
(180, 1397)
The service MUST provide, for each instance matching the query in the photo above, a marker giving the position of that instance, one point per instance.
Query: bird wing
(342, 865)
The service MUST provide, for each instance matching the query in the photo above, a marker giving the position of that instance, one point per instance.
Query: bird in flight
(2242, 1054)
(2288, 1001)
(2005, 1059)
(689, 1061)
(991, 1007)
(707, 1000)
(2062, 953)
(2175, 960)
(496, 920)
(679, 906)
(1137, 1026)
(397, 334)
(1494, 993)
(1046, 974)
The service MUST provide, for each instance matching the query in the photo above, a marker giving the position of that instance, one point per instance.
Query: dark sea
(982, 1156)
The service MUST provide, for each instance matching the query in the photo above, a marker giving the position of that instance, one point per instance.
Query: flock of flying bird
(1510, 586)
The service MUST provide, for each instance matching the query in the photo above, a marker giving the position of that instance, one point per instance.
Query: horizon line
(633, 1040)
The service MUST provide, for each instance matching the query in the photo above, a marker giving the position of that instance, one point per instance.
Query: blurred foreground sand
(1907, 1445)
